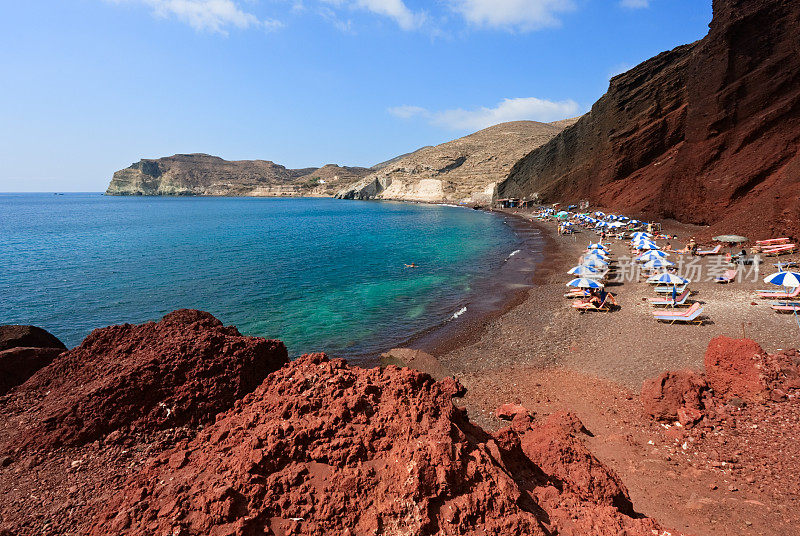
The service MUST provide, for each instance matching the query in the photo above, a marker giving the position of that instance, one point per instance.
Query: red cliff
(707, 133)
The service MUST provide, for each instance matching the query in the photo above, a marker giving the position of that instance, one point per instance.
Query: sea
(319, 274)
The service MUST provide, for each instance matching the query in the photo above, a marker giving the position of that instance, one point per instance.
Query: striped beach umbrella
(596, 263)
(784, 279)
(645, 244)
(667, 279)
(652, 264)
(584, 271)
(583, 282)
(652, 254)
(596, 257)
(641, 234)
(597, 246)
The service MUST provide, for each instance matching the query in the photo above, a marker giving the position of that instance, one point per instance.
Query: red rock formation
(733, 368)
(672, 393)
(23, 351)
(323, 448)
(14, 336)
(707, 133)
(181, 370)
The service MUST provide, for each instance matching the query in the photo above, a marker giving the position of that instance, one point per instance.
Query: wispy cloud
(520, 15)
(519, 109)
(393, 9)
(214, 16)
(635, 4)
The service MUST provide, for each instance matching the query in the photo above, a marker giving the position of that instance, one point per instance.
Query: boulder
(15, 336)
(19, 364)
(734, 368)
(663, 397)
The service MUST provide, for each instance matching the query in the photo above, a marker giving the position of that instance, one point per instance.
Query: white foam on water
(513, 253)
(459, 313)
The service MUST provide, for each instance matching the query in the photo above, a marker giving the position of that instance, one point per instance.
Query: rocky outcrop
(202, 174)
(664, 398)
(181, 370)
(707, 133)
(15, 336)
(462, 170)
(23, 351)
(324, 448)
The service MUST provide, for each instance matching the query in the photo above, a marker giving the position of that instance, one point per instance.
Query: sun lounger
(769, 294)
(728, 277)
(715, 251)
(668, 289)
(779, 250)
(691, 315)
(772, 241)
(667, 302)
(586, 305)
(577, 294)
(786, 307)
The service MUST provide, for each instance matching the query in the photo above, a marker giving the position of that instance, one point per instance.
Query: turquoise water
(319, 274)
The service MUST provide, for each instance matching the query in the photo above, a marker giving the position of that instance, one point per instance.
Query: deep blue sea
(319, 274)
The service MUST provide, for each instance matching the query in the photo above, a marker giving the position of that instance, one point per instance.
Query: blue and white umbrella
(645, 244)
(658, 263)
(597, 247)
(596, 257)
(596, 263)
(784, 279)
(641, 234)
(583, 282)
(584, 271)
(667, 279)
(652, 254)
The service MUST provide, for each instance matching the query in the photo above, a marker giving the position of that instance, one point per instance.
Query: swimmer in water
(412, 265)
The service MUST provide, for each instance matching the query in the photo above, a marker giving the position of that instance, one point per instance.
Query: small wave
(513, 253)
(459, 313)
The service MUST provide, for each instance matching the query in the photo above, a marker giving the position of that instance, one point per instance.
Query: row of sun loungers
(771, 294)
(689, 316)
(786, 307)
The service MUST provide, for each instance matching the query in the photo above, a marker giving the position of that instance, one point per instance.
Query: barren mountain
(465, 169)
(202, 174)
(707, 133)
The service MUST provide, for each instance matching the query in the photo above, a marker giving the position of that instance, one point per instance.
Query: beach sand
(547, 356)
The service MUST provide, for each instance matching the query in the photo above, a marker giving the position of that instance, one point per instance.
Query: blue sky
(90, 86)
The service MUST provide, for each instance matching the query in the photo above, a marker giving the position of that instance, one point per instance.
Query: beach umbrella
(731, 239)
(784, 279)
(641, 234)
(652, 254)
(658, 263)
(667, 279)
(596, 254)
(597, 246)
(646, 244)
(595, 263)
(584, 271)
(582, 282)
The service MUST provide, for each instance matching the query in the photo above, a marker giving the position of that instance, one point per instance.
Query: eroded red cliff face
(707, 133)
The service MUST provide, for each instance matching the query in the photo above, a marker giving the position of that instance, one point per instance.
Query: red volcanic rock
(323, 448)
(663, 397)
(14, 336)
(733, 368)
(182, 370)
(507, 412)
(707, 133)
(19, 364)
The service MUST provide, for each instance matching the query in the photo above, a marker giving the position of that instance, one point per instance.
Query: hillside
(202, 174)
(707, 133)
(465, 169)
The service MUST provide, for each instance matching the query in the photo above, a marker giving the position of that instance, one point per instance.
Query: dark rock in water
(13, 336)
(182, 370)
(706, 133)
(19, 364)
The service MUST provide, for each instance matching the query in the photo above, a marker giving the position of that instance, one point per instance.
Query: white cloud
(529, 108)
(394, 9)
(635, 4)
(523, 15)
(207, 15)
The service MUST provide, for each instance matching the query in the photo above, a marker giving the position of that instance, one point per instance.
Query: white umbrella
(652, 254)
(585, 283)
(646, 244)
(584, 271)
(595, 263)
(785, 279)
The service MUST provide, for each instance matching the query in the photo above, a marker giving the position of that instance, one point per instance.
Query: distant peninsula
(205, 175)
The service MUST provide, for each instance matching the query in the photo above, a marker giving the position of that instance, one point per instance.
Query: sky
(91, 86)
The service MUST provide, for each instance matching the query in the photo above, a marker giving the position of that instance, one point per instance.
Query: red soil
(733, 368)
(324, 448)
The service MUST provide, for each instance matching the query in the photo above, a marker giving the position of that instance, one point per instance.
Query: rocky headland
(463, 170)
(707, 133)
(206, 175)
